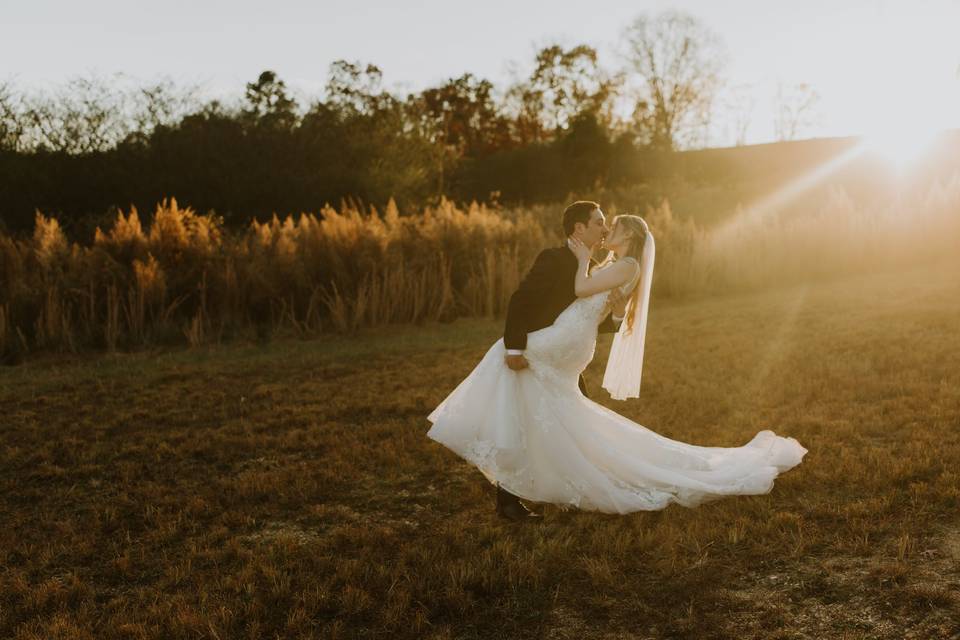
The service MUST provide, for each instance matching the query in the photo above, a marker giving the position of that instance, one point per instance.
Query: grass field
(289, 491)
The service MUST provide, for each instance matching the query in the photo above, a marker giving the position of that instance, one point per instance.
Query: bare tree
(11, 119)
(85, 115)
(163, 103)
(738, 104)
(795, 110)
(88, 114)
(676, 64)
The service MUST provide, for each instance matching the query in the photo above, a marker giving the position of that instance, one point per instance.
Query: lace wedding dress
(535, 433)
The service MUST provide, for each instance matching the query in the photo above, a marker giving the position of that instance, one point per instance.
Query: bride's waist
(553, 339)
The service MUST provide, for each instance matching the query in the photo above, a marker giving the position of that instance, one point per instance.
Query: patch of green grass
(289, 490)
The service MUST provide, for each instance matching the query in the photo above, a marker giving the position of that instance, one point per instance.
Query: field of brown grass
(289, 491)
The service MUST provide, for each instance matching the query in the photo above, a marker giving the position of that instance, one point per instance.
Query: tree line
(571, 126)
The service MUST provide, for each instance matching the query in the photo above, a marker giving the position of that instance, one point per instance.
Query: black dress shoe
(510, 507)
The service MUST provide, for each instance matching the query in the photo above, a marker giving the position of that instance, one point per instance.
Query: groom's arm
(537, 281)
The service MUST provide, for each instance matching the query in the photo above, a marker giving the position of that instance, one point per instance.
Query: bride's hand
(617, 302)
(582, 251)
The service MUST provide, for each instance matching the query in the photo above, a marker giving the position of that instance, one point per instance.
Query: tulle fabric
(536, 434)
(625, 364)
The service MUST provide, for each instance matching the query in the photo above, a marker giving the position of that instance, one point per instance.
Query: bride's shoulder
(623, 268)
(631, 267)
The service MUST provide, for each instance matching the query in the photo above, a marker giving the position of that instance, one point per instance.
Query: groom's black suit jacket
(546, 290)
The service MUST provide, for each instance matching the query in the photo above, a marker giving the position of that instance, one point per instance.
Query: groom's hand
(516, 362)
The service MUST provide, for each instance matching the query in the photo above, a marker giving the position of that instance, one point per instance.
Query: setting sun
(900, 146)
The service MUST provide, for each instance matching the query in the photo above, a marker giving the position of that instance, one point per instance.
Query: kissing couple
(523, 417)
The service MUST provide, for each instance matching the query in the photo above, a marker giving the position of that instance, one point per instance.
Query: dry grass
(184, 279)
(289, 491)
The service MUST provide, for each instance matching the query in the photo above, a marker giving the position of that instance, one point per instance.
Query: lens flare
(900, 146)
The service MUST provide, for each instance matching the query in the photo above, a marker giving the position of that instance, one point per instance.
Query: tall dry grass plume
(184, 278)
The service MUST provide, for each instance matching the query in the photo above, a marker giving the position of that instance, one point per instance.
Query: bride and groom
(523, 418)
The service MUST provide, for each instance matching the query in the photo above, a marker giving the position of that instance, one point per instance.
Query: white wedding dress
(535, 433)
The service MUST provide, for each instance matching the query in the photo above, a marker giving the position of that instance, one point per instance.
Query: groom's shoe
(510, 507)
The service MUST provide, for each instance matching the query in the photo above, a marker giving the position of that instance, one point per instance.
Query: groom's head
(585, 221)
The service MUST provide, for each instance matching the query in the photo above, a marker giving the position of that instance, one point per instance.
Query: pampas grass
(184, 278)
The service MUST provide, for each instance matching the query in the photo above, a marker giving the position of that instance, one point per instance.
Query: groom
(546, 290)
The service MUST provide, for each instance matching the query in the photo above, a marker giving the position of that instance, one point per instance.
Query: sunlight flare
(900, 146)
(779, 198)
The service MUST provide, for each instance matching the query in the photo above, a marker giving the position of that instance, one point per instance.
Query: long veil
(625, 364)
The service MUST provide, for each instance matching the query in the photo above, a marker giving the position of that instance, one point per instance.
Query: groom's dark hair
(579, 211)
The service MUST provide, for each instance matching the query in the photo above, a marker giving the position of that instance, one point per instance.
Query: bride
(533, 432)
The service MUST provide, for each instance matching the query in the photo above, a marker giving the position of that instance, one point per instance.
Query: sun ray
(764, 207)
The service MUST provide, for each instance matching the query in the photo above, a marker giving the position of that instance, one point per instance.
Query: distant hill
(708, 184)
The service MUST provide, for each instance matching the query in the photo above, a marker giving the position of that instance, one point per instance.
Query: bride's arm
(587, 284)
(605, 279)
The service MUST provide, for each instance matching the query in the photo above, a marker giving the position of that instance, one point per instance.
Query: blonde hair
(637, 227)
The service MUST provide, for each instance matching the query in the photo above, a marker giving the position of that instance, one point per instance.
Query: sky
(876, 64)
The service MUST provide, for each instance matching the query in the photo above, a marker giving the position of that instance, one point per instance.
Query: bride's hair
(637, 227)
